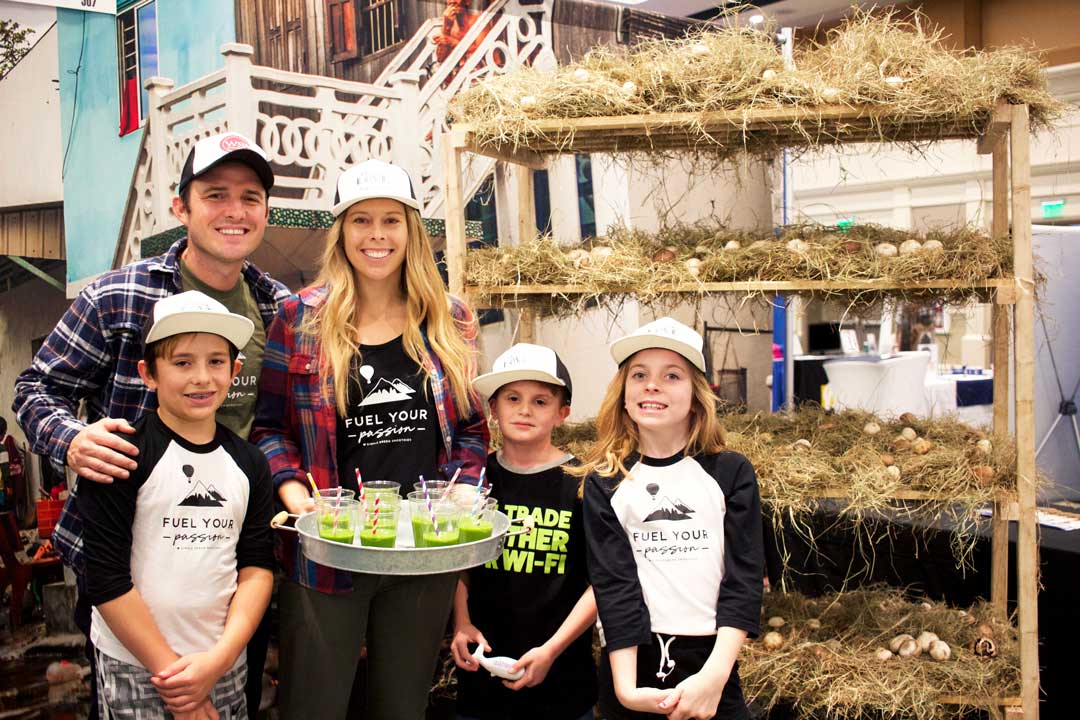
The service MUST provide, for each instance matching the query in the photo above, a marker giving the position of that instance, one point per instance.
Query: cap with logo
(210, 152)
(373, 179)
(196, 312)
(525, 361)
(666, 333)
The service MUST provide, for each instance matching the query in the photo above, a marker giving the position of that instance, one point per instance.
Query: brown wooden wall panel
(33, 233)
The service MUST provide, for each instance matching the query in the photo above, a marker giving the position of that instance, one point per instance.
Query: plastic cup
(478, 527)
(381, 488)
(338, 520)
(332, 495)
(435, 488)
(380, 529)
(464, 496)
(425, 533)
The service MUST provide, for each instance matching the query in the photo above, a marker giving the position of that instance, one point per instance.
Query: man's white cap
(196, 312)
(666, 333)
(373, 179)
(525, 362)
(229, 147)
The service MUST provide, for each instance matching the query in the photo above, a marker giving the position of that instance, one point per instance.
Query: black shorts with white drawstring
(675, 657)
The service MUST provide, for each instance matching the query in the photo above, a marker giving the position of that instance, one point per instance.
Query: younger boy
(533, 603)
(179, 556)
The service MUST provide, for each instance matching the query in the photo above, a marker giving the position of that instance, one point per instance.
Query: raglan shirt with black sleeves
(675, 547)
(178, 530)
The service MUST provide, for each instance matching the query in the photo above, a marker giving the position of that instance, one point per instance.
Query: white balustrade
(325, 125)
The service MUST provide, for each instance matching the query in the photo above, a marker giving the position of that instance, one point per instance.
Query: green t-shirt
(238, 410)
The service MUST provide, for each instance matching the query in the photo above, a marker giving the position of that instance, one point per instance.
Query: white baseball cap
(524, 361)
(210, 152)
(196, 312)
(373, 179)
(666, 333)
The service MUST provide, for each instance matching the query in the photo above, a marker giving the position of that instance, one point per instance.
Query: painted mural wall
(98, 164)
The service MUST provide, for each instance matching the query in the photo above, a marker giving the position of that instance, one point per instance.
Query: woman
(368, 369)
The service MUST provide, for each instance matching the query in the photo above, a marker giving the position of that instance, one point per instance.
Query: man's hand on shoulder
(99, 455)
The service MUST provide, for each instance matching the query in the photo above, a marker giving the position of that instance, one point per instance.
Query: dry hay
(891, 66)
(843, 461)
(638, 264)
(832, 672)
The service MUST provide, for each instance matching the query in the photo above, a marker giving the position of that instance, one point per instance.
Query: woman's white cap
(196, 312)
(525, 361)
(373, 179)
(666, 333)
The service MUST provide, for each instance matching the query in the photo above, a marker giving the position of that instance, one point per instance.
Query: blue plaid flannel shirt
(92, 355)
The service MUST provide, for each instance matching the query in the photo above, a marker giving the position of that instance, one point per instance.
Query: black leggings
(689, 654)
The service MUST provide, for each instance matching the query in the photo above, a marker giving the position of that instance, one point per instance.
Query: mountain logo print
(667, 509)
(386, 391)
(200, 495)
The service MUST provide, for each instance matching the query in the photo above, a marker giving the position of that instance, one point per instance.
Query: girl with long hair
(368, 369)
(673, 525)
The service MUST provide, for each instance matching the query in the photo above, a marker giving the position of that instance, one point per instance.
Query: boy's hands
(206, 711)
(459, 648)
(185, 685)
(695, 697)
(536, 664)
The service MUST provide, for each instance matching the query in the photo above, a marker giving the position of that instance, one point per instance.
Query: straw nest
(831, 670)
(891, 66)
(678, 260)
(809, 454)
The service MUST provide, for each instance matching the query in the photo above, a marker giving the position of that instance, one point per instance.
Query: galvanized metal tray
(403, 559)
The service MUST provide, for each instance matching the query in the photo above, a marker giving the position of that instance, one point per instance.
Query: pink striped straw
(430, 507)
(375, 520)
(449, 487)
(360, 487)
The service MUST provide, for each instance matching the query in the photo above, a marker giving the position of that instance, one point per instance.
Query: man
(93, 353)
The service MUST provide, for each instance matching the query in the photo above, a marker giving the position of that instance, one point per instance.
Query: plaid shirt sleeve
(272, 430)
(74, 362)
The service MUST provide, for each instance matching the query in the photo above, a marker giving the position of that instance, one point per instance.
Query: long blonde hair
(617, 435)
(426, 302)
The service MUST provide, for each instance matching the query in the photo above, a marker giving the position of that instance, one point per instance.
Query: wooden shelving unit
(1004, 135)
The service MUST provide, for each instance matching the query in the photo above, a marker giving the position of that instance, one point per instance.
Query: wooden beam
(996, 129)
(455, 219)
(1000, 334)
(1027, 547)
(37, 272)
(767, 286)
(517, 156)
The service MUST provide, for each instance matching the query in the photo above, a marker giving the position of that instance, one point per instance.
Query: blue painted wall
(99, 164)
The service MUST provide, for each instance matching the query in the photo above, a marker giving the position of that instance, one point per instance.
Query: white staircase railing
(313, 127)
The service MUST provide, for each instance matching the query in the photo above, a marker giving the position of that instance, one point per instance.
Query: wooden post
(526, 326)
(1000, 332)
(526, 229)
(240, 107)
(157, 130)
(455, 216)
(1027, 548)
(526, 215)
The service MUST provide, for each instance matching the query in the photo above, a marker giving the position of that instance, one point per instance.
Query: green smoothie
(342, 532)
(472, 529)
(383, 537)
(420, 525)
(444, 538)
